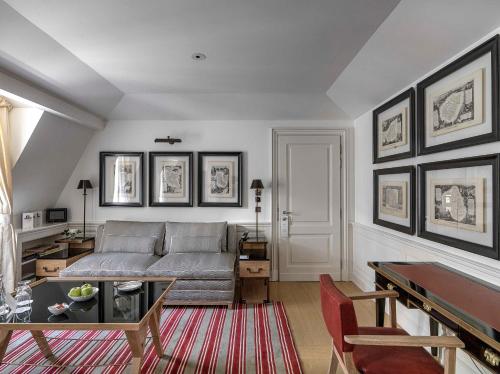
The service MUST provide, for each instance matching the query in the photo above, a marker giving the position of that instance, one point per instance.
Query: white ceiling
(267, 59)
(252, 46)
(417, 37)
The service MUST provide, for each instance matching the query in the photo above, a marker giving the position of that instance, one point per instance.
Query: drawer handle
(491, 357)
(47, 270)
(427, 307)
(390, 286)
(254, 271)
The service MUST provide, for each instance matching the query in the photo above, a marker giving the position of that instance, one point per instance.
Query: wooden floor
(303, 307)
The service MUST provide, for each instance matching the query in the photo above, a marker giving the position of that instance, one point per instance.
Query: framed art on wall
(394, 198)
(458, 105)
(394, 129)
(121, 179)
(458, 203)
(219, 179)
(171, 179)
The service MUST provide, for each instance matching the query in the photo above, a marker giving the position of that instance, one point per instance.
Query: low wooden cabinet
(50, 267)
(254, 280)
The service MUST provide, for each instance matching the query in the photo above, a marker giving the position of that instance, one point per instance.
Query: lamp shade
(84, 184)
(257, 184)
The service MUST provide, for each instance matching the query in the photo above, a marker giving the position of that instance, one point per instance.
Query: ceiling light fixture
(198, 56)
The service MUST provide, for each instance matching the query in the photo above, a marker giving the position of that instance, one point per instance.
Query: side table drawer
(49, 268)
(254, 269)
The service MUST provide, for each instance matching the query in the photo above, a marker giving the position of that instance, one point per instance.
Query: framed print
(458, 105)
(394, 129)
(219, 179)
(121, 179)
(394, 198)
(171, 179)
(458, 203)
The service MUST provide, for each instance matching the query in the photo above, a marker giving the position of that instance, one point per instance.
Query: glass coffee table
(110, 309)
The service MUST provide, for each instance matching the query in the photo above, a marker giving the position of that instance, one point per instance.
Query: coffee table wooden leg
(136, 341)
(154, 327)
(42, 343)
(4, 342)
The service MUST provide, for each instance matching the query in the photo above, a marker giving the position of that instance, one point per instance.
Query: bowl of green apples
(83, 293)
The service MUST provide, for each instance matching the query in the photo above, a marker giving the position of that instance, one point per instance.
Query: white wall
(46, 163)
(372, 242)
(251, 137)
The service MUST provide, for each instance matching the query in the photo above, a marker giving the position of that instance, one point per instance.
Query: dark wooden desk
(466, 305)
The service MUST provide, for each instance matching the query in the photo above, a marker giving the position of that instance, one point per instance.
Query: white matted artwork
(459, 203)
(393, 135)
(456, 104)
(121, 179)
(393, 202)
(170, 178)
(394, 198)
(219, 179)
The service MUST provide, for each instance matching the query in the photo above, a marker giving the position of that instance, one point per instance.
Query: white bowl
(129, 286)
(55, 311)
(95, 290)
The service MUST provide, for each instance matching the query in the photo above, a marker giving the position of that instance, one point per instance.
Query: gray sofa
(202, 256)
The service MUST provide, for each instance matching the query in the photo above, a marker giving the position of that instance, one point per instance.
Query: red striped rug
(246, 339)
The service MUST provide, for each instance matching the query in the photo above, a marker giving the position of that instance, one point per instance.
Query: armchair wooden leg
(380, 312)
(392, 308)
(450, 358)
(334, 362)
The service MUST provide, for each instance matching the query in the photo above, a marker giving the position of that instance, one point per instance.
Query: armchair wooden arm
(374, 295)
(391, 295)
(405, 340)
(449, 343)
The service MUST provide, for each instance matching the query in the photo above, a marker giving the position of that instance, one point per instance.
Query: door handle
(286, 212)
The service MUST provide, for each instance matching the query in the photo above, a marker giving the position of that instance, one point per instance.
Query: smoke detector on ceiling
(198, 56)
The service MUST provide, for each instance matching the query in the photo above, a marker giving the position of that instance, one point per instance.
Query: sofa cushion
(129, 244)
(133, 228)
(218, 229)
(195, 266)
(190, 244)
(110, 264)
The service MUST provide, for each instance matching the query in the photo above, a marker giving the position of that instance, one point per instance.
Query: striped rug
(246, 339)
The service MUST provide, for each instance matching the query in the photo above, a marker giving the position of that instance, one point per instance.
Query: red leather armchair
(378, 350)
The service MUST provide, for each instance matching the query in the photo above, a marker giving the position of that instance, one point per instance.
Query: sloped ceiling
(418, 36)
(47, 162)
(259, 52)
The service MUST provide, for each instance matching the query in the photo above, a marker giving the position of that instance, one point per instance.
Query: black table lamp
(84, 184)
(258, 187)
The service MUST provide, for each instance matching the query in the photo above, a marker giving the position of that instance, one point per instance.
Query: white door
(309, 206)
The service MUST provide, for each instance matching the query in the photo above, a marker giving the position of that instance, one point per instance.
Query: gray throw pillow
(190, 244)
(129, 244)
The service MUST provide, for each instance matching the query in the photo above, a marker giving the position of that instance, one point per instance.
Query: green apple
(87, 291)
(86, 285)
(75, 292)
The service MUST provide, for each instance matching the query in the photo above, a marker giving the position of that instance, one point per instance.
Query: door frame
(345, 190)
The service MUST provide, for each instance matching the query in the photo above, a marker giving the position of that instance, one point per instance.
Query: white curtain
(7, 237)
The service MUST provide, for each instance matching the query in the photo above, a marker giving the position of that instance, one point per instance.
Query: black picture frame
(102, 179)
(152, 179)
(494, 161)
(490, 46)
(201, 182)
(408, 94)
(410, 230)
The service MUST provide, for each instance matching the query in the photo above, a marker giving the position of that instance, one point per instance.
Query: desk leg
(379, 312)
(434, 330)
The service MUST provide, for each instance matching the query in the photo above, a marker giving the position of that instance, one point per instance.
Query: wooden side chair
(378, 350)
